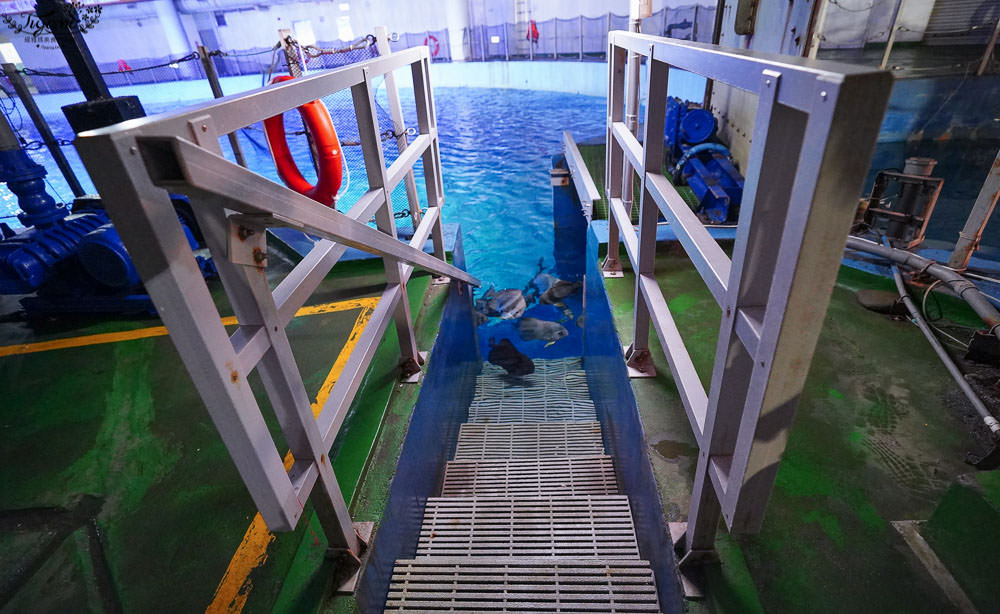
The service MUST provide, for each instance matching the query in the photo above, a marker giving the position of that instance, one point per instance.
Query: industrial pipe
(961, 286)
(989, 460)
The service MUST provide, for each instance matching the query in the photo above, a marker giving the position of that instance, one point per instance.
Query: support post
(433, 178)
(21, 89)
(893, 28)
(637, 357)
(969, 237)
(506, 44)
(63, 21)
(371, 144)
(213, 81)
(816, 36)
(581, 37)
(614, 157)
(631, 107)
(290, 49)
(990, 46)
(398, 124)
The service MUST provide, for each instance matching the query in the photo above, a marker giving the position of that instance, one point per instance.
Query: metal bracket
(611, 268)
(348, 567)
(638, 362)
(247, 242)
(559, 177)
(411, 370)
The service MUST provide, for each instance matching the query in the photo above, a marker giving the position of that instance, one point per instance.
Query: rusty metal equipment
(901, 203)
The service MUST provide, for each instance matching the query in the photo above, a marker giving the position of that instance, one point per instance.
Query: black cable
(47, 73)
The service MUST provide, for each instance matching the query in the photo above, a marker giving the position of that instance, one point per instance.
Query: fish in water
(506, 304)
(533, 328)
(506, 356)
(557, 289)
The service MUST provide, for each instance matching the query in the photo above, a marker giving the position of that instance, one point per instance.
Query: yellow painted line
(159, 331)
(234, 588)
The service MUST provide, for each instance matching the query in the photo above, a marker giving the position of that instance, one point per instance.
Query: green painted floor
(114, 436)
(880, 435)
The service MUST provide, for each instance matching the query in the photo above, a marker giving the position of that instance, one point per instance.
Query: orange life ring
(328, 153)
(433, 43)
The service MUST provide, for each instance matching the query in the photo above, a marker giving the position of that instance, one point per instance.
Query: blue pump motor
(686, 124)
(716, 183)
(29, 258)
(104, 257)
(704, 165)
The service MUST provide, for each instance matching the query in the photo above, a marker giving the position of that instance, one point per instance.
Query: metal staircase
(530, 517)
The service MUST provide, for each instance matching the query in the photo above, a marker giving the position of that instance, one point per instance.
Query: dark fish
(506, 304)
(557, 290)
(533, 328)
(507, 357)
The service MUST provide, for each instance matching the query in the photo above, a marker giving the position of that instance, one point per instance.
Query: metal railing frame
(814, 133)
(134, 163)
(586, 189)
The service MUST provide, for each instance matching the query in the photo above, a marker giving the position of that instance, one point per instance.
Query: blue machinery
(705, 166)
(73, 257)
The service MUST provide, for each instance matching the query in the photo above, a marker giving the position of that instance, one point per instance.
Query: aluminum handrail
(132, 164)
(813, 136)
(586, 189)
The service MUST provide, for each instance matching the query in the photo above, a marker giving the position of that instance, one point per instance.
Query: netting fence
(264, 63)
(580, 38)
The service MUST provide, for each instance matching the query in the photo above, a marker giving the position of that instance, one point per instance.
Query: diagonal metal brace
(178, 164)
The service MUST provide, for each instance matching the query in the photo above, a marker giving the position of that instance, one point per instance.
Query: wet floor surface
(116, 489)
(880, 435)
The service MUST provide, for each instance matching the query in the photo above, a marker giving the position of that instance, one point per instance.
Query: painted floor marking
(910, 530)
(234, 588)
(160, 331)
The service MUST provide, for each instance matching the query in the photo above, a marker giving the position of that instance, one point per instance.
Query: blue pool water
(496, 148)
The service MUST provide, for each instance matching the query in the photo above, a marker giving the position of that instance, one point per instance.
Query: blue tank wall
(447, 390)
(624, 437)
(576, 247)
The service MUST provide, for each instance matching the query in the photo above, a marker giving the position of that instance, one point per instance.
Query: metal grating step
(473, 584)
(536, 410)
(556, 392)
(574, 527)
(571, 475)
(520, 440)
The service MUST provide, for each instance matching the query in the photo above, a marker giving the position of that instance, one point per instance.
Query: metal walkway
(530, 518)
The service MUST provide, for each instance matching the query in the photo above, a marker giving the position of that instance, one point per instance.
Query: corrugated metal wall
(962, 21)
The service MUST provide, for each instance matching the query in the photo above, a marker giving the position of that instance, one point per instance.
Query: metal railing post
(213, 81)
(506, 45)
(637, 356)
(581, 37)
(631, 114)
(433, 178)
(893, 28)
(371, 144)
(990, 46)
(614, 157)
(399, 124)
(969, 237)
(21, 89)
(291, 52)
(555, 38)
